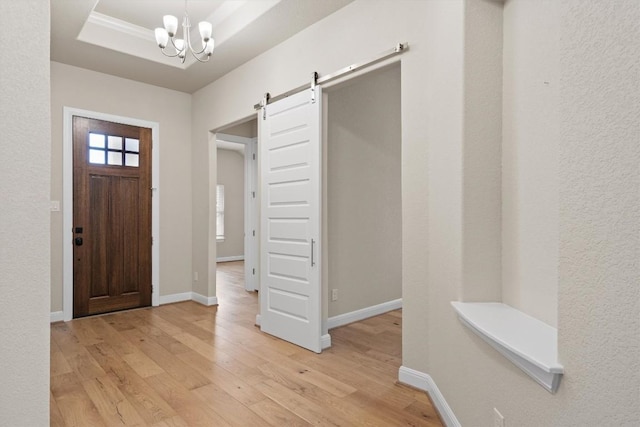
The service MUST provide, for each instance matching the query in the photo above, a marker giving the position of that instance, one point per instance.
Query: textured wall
(530, 158)
(231, 175)
(572, 150)
(599, 177)
(364, 203)
(89, 90)
(25, 146)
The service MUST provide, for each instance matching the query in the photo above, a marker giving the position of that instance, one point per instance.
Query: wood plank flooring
(185, 364)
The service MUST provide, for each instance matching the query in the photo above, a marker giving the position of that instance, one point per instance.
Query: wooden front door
(111, 216)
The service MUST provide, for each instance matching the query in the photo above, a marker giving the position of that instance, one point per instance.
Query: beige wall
(351, 34)
(247, 129)
(530, 158)
(89, 90)
(25, 126)
(598, 185)
(481, 162)
(364, 203)
(598, 232)
(231, 175)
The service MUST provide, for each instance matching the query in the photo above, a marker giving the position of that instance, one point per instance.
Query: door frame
(67, 201)
(251, 241)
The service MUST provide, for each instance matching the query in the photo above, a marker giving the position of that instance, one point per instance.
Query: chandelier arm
(174, 45)
(202, 60)
(167, 54)
(193, 51)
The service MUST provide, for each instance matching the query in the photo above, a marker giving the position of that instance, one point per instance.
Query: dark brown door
(111, 216)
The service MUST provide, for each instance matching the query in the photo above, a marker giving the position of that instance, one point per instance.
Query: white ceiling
(116, 36)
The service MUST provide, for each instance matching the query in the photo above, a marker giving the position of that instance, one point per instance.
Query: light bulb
(205, 30)
(162, 37)
(170, 24)
(208, 47)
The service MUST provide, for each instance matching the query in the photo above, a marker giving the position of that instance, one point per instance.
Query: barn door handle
(313, 243)
(78, 241)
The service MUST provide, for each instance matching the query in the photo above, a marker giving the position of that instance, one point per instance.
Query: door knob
(78, 241)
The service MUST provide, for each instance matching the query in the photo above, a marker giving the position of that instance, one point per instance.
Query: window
(113, 152)
(220, 213)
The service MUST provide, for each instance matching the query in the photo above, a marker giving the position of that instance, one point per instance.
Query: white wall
(363, 193)
(530, 158)
(231, 175)
(25, 126)
(598, 181)
(89, 90)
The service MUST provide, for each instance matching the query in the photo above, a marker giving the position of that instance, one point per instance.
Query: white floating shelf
(530, 344)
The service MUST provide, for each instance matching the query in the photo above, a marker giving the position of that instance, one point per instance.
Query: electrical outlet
(195, 276)
(498, 419)
(334, 295)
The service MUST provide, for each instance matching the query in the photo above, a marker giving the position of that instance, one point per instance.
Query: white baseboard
(208, 301)
(230, 258)
(168, 299)
(364, 313)
(325, 341)
(57, 316)
(424, 382)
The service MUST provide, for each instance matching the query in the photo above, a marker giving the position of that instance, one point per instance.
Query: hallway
(186, 364)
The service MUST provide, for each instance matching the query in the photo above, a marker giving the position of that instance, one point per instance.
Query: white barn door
(290, 156)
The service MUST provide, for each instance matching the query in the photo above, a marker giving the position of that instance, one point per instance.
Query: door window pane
(96, 157)
(131, 160)
(115, 142)
(132, 145)
(96, 140)
(114, 158)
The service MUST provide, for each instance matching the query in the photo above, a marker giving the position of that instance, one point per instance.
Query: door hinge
(254, 156)
(254, 233)
(253, 272)
(314, 83)
(253, 194)
(152, 240)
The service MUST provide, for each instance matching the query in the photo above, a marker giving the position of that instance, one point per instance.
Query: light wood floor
(186, 364)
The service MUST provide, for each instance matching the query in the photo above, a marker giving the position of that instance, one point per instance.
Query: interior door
(111, 216)
(290, 159)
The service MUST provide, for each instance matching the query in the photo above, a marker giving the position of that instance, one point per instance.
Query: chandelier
(181, 45)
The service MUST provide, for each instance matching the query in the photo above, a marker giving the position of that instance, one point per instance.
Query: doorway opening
(236, 199)
(362, 202)
(361, 241)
